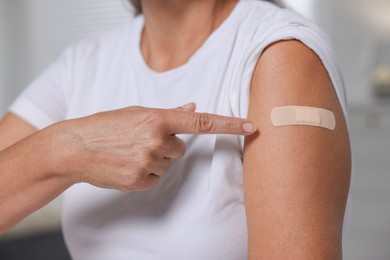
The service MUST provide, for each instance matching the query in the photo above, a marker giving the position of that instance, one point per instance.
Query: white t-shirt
(197, 210)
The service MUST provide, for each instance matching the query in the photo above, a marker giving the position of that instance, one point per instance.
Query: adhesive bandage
(302, 115)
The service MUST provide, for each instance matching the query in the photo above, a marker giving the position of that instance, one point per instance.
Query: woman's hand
(126, 149)
(129, 149)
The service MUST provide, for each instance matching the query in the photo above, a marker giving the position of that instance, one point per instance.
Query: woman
(232, 58)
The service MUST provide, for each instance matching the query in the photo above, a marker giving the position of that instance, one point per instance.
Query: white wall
(35, 34)
(16, 62)
(360, 46)
(357, 49)
(369, 235)
(55, 24)
(37, 31)
(2, 53)
(356, 44)
(354, 48)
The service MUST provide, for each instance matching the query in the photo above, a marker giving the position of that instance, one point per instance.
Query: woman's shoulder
(262, 24)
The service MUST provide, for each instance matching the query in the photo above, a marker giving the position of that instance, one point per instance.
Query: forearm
(126, 149)
(29, 176)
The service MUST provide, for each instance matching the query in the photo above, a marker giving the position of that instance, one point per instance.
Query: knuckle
(157, 144)
(147, 161)
(134, 108)
(161, 168)
(149, 182)
(123, 190)
(155, 117)
(167, 164)
(181, 150)
(128, 185)
(126, 189)
(133, 182)
(177, 148)
(138, 180)
(153, 181)
(152, 185)
(204, 124)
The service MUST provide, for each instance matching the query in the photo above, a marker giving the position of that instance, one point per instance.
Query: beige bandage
(301, 115)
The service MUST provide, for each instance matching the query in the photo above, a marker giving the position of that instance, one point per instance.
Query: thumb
(190, 107)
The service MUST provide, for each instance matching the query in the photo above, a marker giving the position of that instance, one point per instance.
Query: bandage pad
(302, 115)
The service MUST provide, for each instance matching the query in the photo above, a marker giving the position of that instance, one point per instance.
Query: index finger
(182, 122)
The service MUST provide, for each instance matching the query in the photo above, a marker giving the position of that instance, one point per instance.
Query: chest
(123, 84)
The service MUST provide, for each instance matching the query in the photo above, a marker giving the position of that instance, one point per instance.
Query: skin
(294, 209)
(175, 29)
(126, 149)
(296, 178)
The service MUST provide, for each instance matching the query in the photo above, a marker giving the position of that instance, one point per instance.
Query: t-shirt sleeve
(299, 29)
(294, 27)
(44, 101)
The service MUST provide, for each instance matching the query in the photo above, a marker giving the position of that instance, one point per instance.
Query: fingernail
(188, 106)
(249, 127)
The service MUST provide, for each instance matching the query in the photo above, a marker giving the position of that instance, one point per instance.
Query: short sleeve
(306, 32)
(44, 101)
(282, 26)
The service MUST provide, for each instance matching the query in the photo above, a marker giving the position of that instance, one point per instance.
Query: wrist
(59, 144)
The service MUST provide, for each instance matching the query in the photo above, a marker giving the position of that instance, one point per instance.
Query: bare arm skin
(13, 129)
(27, 179)
(296, 178)
(126, 149)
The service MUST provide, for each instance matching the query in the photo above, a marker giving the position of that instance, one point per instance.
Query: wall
(357, 48)
(35, 34)
(369, 221)
(37, 31)
(16, 65)
(57, 23)
(3, 25)
(360, 46)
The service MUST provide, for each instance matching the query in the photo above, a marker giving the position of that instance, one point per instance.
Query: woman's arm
(126, 149)
(27, 178)
(13, 129)
(296, 178)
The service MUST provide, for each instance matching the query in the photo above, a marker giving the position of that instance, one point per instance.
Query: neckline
(138, 59)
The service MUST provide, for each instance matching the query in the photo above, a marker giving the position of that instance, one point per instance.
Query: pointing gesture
(129, 149)
(181, 122)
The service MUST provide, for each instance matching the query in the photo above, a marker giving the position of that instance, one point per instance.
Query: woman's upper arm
(296, 178)
(13, 129)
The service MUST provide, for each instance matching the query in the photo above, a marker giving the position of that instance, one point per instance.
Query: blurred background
(34, 32)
